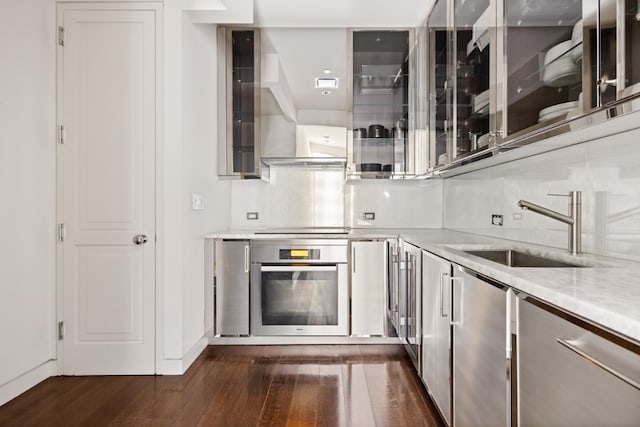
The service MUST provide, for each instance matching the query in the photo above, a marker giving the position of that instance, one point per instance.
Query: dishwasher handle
(569, 344)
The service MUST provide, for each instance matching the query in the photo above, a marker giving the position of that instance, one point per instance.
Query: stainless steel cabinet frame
(524, 42)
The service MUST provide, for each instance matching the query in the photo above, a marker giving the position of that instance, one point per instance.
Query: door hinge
(61, 35)
(61, 232)
(60, 330)
(61, 134)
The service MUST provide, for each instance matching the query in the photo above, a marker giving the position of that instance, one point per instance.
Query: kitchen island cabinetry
(572, 373)
(368, 267)
(231, 290)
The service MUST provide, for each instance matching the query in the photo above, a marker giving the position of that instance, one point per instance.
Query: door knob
(140, 239)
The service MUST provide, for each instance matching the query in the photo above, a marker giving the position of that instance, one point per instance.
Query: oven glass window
(299, 298)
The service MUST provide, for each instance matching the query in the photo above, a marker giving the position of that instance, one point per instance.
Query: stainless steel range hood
(300, 124)
(312, 162)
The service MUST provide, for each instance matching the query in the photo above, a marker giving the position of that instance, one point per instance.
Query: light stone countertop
(606, 293)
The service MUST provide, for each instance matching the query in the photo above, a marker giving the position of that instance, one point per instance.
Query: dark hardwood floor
(315, 385)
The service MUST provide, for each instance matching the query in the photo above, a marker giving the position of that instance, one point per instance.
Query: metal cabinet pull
(353, 260)
(568, 344)
(442, 278)
(247, 260)
(457, 322)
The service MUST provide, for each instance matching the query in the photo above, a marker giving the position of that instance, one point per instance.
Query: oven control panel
(296, 254)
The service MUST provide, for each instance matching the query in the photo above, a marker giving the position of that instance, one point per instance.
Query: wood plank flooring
(314, 385)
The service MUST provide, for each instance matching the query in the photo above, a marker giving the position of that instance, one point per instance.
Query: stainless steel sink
(515, 258)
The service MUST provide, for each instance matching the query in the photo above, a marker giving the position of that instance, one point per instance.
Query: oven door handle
(298, 268)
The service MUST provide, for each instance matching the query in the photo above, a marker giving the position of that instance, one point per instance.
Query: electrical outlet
(496, 219)
(197, 202)
(369, 216)
(252, 215)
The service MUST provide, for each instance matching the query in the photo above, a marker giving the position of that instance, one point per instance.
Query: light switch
(252, 215)
(369, 216)
(197, 202)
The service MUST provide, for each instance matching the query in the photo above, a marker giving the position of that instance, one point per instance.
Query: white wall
(189, 167)
(607, 172)
(199, 160)
(27, 191)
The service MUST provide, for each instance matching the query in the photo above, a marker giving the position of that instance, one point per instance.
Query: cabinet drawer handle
(247, 259)
(442, 278)
(457, 322)
(568, 344)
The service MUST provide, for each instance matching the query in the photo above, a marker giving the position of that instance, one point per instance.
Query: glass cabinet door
(610, 43)
(379, 146)
(544, 61)
(239, 152)
(243, 45)
(630, 29)
(440, 94)
(473, 20)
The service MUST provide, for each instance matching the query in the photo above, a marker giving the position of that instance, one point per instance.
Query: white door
(107, 105)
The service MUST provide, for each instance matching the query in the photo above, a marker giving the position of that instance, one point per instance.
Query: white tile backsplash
(302, 197)
(396, 203)
(294, 197)
(606, 170)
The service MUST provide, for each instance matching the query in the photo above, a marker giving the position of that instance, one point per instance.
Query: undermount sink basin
(515, 258)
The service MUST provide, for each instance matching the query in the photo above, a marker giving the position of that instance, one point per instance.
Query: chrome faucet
(574, 219)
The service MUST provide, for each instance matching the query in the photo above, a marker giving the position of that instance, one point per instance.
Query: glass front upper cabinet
(440, 93)
(239, 79)
(379, 144)
(544, 61)
(473, 21)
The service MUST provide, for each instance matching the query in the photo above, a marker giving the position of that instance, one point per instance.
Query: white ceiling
(304, 53)
(341, 13)
(312, 36)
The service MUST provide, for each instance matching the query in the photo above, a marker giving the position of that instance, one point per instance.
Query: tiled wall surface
(294, 197)
(396, 203)
(606, 170)
(301, 197)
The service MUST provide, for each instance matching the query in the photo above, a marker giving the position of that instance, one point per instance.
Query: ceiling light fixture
(326, 83)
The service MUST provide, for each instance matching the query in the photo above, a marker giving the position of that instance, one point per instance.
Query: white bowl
(557, 110)
(557, 51)
(576, 42)
(560, 68)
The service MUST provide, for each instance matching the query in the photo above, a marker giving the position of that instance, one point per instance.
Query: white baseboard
(303, 340)
(24, 382)
(180, 366)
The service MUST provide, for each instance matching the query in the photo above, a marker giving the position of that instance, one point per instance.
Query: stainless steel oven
(299, 287)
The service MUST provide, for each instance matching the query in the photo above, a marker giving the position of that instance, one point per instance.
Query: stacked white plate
(557, 110)
(483, 140)
(480, 101)
(576, 42)
(559, 68)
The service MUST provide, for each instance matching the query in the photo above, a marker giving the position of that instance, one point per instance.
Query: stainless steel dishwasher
(231, 292)
(481, 362)
(572, 373)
